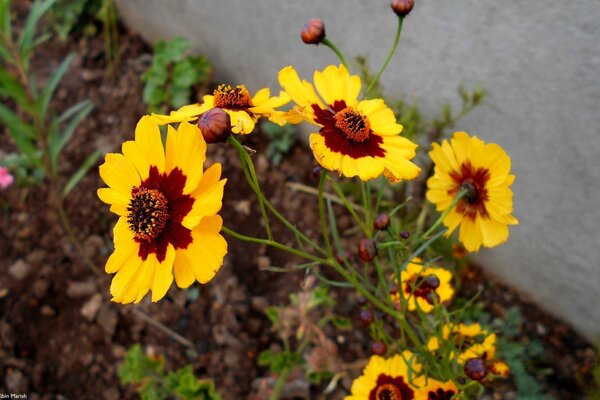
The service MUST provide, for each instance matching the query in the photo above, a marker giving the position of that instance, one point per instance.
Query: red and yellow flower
(355, 138)
(483, 171)
(424, 287)
(243, 109)
(385, 379)
(167, 205)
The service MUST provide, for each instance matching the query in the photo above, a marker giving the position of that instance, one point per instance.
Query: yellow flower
(483, 170)
(167, 206)
(471, 341)
(387, 379)
(435, 390)
(356, 138)
(243, 109)
(420, 286)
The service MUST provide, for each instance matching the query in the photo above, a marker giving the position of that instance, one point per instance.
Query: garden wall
(539, 61)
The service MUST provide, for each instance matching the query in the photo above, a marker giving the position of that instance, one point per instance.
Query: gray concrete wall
(539, 61)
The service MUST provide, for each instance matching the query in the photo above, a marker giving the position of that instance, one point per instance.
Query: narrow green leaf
(334, 229)
(22, 133)
(5, 18)
(52, 84)
(56, 140)
(11, 87)
(81, 171)
(38, 9)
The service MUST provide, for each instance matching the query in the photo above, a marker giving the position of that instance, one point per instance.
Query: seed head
(378, 348)
(366, 317)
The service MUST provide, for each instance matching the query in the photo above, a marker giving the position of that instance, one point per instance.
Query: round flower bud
(475, 369)
(405, 234)
(381, 222)
(366, 317)
(378, 348)
(432, 281)
(313, 31)
(215, 125)
(402, 7)
(361, 300)
(366, 250)
(316, 171)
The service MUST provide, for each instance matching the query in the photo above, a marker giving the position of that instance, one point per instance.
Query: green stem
(347, 204)
(245, 158)
(444, 214)
(337, 51)
(322, 217)
(275, 244)
(389, 57)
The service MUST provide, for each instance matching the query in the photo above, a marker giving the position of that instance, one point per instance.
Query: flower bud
(381, 222)
(366, 250)
(366, 317)
(316, 171)
(402, 7)
(378, 348)
(432, 297)
(361, 300)
(215, 125)
(432, 281)
(394, 289)
(313, 31)
(475, 369)
(405, 234)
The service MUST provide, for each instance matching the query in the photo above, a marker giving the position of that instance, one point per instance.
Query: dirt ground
(61, 337)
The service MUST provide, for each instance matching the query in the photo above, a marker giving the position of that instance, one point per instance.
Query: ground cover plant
(373, 240)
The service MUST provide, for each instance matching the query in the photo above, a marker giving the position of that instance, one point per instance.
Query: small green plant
(282, 139)
(173, 73)
(148, 375)
(39, 134)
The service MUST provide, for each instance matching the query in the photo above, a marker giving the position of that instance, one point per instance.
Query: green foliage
(594, 391)
(38, 133)
(282, 139)
(169, 81)
(149, 377)
(278, 362)
(75, 17)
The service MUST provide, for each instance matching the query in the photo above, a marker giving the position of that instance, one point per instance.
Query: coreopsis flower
(243, 109)
(355, 138)
(436, 390)
(167, 205)
(385, 379)
(423, 287)
(6, 179)
(483, 171)
(470, 339)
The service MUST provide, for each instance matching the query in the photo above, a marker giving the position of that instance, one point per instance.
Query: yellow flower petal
(147, 137)
(186, 150)
(119, 173)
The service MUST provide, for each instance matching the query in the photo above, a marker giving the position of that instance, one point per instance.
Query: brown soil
(61, 337)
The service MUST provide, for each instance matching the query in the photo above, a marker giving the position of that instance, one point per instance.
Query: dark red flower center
(148, 213)
(347, 131)
(388, 392)
(156, 210)
(473, 181)
(391, 388)
(355, 125)
(440, 394)
(232, 98)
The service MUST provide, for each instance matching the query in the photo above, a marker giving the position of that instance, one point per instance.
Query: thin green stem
(337, 51)
(245, 158)
(347, 204)
(275, 244)
(444, 214)
(322, 215)
(389, 57)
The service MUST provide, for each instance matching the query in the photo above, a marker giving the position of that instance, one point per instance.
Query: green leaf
(56, 140)
(52, 84)
(22, 133)
(174, 50)
(184, 74)
(39, 8)
(179, 97)
(341, 323)
(11, 87)
(81, 171)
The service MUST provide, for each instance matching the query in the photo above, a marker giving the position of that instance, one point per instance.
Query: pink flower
(6, 179)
